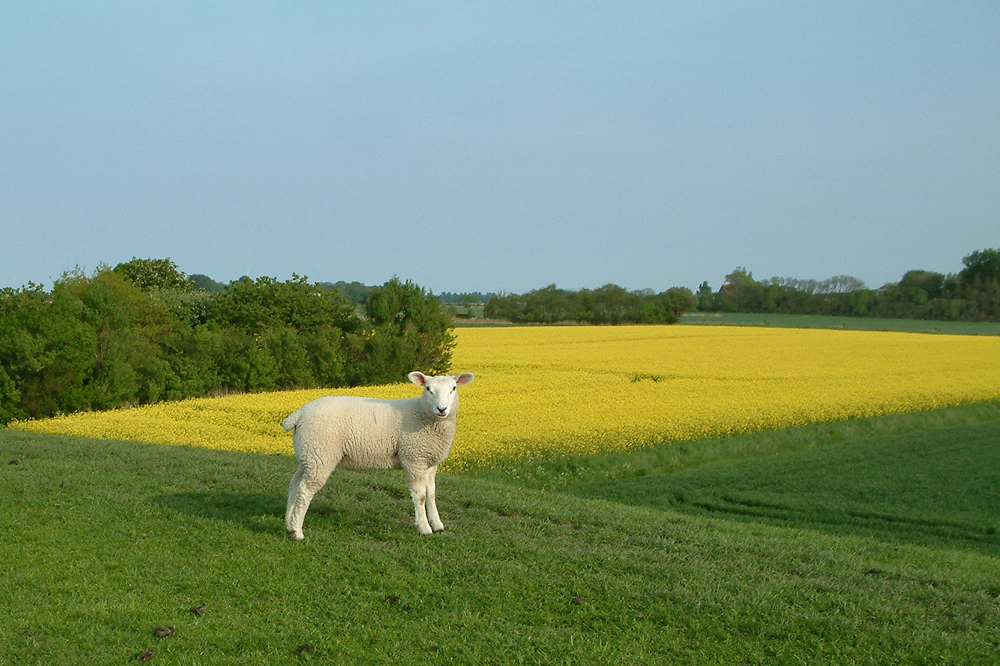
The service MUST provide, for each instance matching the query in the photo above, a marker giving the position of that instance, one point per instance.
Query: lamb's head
(440, 395)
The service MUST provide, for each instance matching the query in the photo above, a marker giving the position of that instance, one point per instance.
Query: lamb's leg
(293, 489)
(416, 478)
(309, 483)
(432, 511)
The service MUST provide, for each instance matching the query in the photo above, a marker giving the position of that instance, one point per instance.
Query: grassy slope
(102, 541)
(896, 488)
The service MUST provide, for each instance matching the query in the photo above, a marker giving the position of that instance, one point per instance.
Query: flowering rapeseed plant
(588, 389)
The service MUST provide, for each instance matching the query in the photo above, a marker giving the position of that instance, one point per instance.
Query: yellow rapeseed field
(587, 389)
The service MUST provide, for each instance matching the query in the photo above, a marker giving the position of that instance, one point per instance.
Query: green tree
(668, 306)
(503, 306)
(355, 291)
(47, 352)
(293, 367)
(549, 305)
(147, 274)
(412, 331)
(741, 293)
(102, 341)
(706, 297)
(929, 282)
(610, 304)
(982, 266)
(840, 284)
(257, 305)
(10, 398)
(130, 367)
(201, 282)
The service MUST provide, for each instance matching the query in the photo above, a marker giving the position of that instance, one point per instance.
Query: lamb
(354, 433)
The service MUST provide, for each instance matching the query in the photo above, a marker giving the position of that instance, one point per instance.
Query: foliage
(981, 266)
(355, 292)
(411, 331)
(201, 282)
(972, 295)
(149, 274)
(256, 306)
(139, 334)
(610, 304)
(464, 298)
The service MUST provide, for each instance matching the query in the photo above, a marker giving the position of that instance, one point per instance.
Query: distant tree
(981, 265)
(794, 284)
(147, 274)
(465, 298)
(741, 293)
(201, 282)
(548, 305)
(668, 306)
(984, 296)
(706, 297)
(931, 283)
(503, 306)
(355, 292)
(840, 284)
(610, 304)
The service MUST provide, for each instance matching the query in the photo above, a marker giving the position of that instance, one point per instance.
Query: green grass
(846, 323)
(869, 542)
(892, 488)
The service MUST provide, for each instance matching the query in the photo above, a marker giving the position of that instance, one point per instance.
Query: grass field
(778, 497)
(862, 542)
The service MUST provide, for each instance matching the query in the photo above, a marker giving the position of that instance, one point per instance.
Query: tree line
(610, 304)
(141, 332)
(972, 294)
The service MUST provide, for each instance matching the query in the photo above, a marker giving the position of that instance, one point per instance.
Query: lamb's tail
(292, 421)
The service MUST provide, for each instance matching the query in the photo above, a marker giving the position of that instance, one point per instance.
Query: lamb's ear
(464, 378)
(418, 378)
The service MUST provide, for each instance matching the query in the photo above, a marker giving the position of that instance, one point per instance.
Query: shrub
(133, 336)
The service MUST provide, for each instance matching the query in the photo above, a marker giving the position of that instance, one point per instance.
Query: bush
(135, 335)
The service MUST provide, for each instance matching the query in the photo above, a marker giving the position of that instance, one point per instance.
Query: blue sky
(487, 146)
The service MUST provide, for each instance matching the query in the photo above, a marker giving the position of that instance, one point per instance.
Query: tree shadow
(254, 511)
(357, 501)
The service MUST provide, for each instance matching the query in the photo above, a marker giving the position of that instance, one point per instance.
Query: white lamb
(366, 434)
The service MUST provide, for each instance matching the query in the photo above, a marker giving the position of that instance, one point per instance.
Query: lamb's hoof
(298, 536)
(439, 528)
